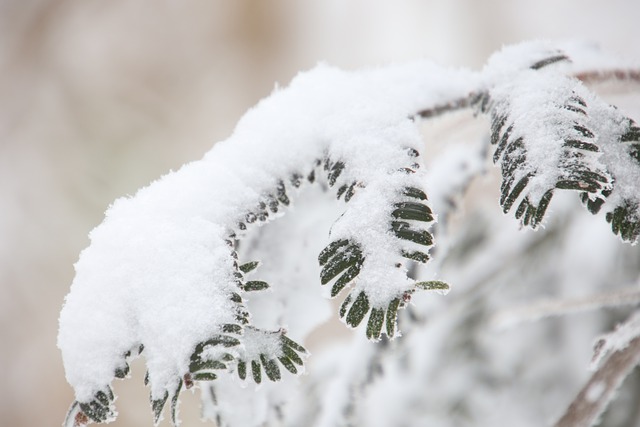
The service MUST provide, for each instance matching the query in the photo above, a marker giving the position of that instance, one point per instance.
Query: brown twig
(594, 397)
(602, 76)
(456, 104)
(558, 307)
(587, 77)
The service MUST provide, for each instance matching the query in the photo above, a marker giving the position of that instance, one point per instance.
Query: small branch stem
(594, 397)
(438, 110)
(601, 76)
(587, 77)
(542, 309)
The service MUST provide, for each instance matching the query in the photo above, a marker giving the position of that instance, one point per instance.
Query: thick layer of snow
(158, 272)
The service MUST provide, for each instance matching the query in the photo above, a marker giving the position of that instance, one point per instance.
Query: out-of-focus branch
(542, 309)
(594, 397)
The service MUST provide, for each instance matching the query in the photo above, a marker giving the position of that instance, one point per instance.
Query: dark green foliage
(374, 326)
(204, 376)
(100, 408)
(270, 368)
(272, 203)
(255, 285)
(402, 224)
(413, 211)
(281, 194)
(296, 180)
(351, 191)
(577, 168)
(289, 356)
(342, 190)
(625, 220)
(288, 364)
(346, 257)
(249, 266)
(358, 310)
(403, 230)
(201, 366)
(312, 176)
(632, 134)
(549, 60)
(416, 256)
(286, 341)
(122, 372)
(531, 214)
(433, 285)
(344, 280)
(625, 217)
(343, 259)
(256, 372)
(338, 257)
(335, 170)
(576, 165)
(157, 405)
(392, 316)
(330, 250)
(174, 403)
(242, 369)
(380, 319)
(232, 328)
(414, 193)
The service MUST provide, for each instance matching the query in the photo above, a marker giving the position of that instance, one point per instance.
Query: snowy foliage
(209, 272)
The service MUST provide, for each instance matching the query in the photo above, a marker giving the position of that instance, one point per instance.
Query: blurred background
(99, 98)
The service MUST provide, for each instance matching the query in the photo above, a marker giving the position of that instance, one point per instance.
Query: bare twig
(588, 77)
(594, 397)
(542, 309)
(456, 104)
(601, 76)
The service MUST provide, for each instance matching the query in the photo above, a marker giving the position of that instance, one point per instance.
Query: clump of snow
(595, 391)
(158, 271)
(535, 104)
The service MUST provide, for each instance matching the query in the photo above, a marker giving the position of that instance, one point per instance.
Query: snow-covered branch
(177, 270)
(594, 397)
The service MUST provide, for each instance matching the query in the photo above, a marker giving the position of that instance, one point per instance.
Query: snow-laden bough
(162, 275)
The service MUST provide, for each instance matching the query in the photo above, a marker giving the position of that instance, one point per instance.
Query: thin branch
(456, 104)
(602, 76)
(594, 397)
(587, 77)
(542, 309)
